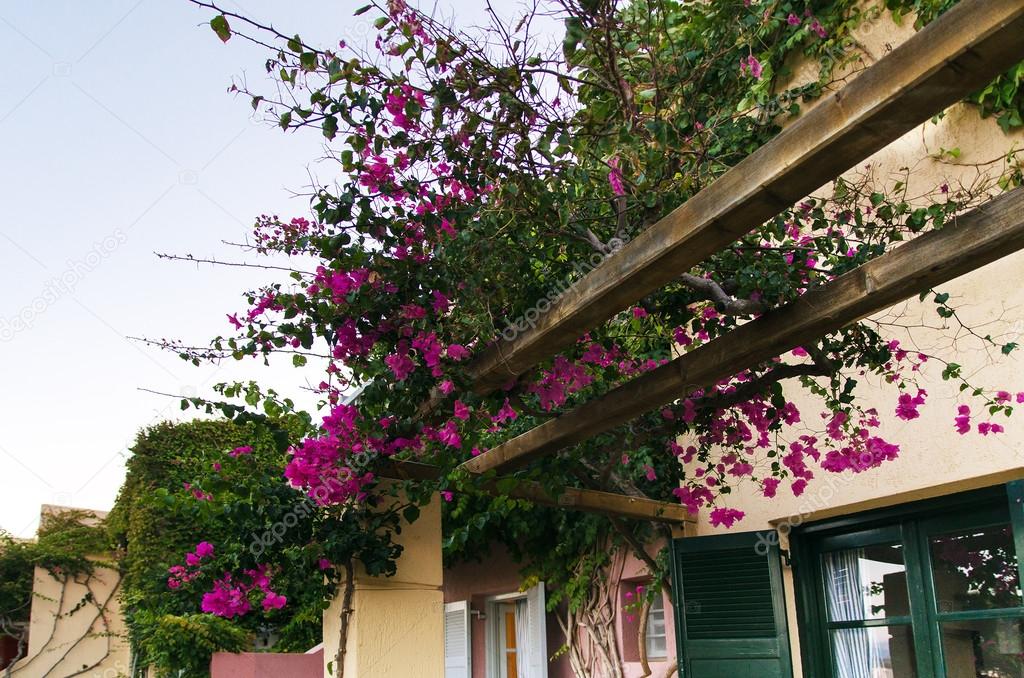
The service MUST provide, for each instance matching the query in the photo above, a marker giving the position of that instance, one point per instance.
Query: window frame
(914, 523)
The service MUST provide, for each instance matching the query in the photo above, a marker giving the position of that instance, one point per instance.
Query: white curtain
(853, 650)
(522, 639)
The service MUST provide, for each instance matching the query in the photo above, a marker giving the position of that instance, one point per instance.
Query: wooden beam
(953, 56)
(985, 234)
(588, 501)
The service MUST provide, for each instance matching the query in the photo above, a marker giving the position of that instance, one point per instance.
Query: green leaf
(1009, 347)
(220, 26)
(942, 298)
(330, 126)
(362, 10)
(411, 513)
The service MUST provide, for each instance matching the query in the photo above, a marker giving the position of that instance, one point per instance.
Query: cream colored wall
(934, 459)
(65, 642)
(397, 628)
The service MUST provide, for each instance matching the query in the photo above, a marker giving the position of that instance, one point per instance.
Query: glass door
(867, 605)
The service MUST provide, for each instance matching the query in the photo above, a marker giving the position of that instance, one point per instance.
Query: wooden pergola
(952, 57)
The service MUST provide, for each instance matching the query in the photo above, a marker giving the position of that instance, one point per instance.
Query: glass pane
(657, 644)
(993, 648)
(975, 570)
(866, 583)
(879, 652)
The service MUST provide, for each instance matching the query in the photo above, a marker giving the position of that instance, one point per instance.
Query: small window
(516, 636)
(656, 637)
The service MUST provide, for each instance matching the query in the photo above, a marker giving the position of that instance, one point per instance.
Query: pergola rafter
(979, 237)
(574, 498)
(953, 56)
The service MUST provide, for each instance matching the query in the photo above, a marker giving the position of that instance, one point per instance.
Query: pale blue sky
(119, 140)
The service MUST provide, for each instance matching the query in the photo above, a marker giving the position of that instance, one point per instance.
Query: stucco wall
(397, 628)
(88, 642)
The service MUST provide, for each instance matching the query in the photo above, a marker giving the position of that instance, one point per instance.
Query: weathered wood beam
(947, 60)
(985, 234)
(586, 500)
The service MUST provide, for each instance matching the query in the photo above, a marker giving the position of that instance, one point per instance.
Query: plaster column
(397, 626)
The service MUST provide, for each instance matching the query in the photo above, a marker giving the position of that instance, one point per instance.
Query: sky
(120, 140)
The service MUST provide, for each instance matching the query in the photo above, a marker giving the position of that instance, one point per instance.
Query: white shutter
(537, 662)
(457, 640)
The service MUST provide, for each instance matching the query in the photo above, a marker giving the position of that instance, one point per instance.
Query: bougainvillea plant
(476, 177)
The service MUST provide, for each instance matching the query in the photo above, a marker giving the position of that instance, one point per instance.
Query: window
(516, 635)
(931, 591)
(655, 638)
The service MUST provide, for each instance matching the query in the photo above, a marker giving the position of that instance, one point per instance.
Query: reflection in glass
(975, 570)
(991, 648)
(878, 652)
(866, 583)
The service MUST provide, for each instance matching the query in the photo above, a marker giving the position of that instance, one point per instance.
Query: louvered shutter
(729, 606)
(457, 643)
(537, 646)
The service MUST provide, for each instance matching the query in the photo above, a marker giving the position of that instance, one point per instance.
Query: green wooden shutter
(729, 607)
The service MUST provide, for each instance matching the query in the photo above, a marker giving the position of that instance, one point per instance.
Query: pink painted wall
(498, 574)
(267, 665)
(633, 573)
(494, 576)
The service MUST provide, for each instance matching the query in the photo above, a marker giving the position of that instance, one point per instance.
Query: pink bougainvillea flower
(725, 517)
(273, 601)
(793, 20)
(204, 549)
(447, 495)
(233, 319)
(963, 419)
(906, 408)
(400, 365)
(324, 564)
(750, 65)
(1003, 397)
(505, 413)
(457, 352)
(798, 487)
(461, 411)
(985, 427)
(446, 387)
(240, 451)
(615, 177)
(769, 487)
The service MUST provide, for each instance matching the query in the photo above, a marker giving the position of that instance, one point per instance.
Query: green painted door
(729, 607)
